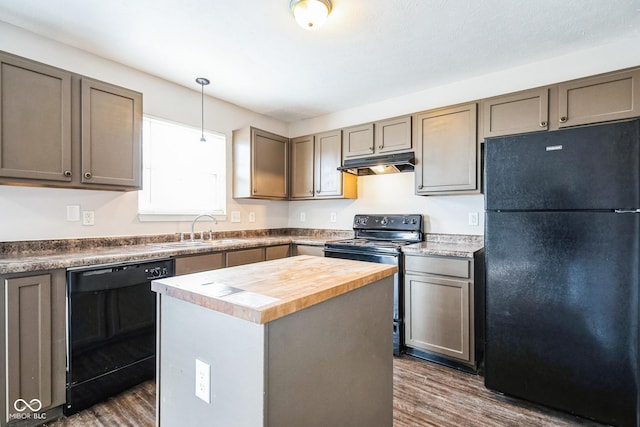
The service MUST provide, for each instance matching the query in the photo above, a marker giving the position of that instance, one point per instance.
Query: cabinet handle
(420, 187)
(543, 124)
(371, 149)
(87, 175)
(310, 191)
(67, 173)
(563, 119)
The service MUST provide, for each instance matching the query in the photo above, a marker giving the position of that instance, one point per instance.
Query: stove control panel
(388, 222)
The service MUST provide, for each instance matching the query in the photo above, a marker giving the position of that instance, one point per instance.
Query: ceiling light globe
(310, 14)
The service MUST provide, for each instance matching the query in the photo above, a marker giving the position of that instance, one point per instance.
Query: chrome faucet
(193, 224)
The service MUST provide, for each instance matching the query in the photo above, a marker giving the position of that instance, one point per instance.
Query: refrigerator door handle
(624, 211)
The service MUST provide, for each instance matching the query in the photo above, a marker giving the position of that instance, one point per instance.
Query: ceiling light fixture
(310, 14)
(202, 82)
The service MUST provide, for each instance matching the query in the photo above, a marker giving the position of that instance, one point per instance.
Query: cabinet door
(393, 135)
(269, 165)
(302, 154)
(598, 99)
(358, 141)
(111, 126)
(247, 256)
(517, 113)
(35, 120)
(197, 263)
(276, 252)
(447, 150)
(437, 316)
(328, 155)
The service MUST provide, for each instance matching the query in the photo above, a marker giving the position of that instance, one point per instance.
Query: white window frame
(150, 213)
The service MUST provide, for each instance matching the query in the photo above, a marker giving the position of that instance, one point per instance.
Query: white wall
(394, 193)
(40, 213)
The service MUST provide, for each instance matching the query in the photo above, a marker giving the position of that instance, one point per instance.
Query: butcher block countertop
(266, 291)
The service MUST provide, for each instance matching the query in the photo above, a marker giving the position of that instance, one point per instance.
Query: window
(181, 175)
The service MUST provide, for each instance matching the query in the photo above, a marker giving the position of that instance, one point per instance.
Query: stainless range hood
(378, 165)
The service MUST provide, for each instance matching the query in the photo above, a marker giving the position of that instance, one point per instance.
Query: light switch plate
(235, 216)
(303, 217)
(252, 217)
(203, 381)
(333, 217)
(73, 212)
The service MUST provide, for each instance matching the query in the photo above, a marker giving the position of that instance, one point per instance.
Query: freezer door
(562, 304)
(590, 167)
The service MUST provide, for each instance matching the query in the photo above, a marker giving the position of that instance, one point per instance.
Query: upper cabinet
(520, 112)
(447, 160)
(314, 173)
(64, 130)
(260, 164)
(382, 137)
(393, 135)
(35, 121)
(608, 97)
(358, 141)
(111, 120)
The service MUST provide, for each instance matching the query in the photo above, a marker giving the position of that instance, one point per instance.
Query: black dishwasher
(111, 336)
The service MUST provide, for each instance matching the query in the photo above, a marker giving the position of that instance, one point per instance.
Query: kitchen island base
(328, 364)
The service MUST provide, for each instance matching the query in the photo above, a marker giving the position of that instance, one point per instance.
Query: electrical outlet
(88, 218)
(473, 218)
(303, 217)
(235, 216)
(203, 381)
(252, 217)
(334, 217)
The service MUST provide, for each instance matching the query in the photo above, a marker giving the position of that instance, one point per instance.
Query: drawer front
(247, 256)
(435, 265)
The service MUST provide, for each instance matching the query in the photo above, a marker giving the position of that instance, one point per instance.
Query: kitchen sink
(194, 243)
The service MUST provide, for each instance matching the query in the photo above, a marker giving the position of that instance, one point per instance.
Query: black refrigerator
(562, 252)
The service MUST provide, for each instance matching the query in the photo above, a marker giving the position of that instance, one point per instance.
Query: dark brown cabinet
(65, 130)
(447, 160)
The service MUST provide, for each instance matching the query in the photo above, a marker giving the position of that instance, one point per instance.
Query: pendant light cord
(202, 82)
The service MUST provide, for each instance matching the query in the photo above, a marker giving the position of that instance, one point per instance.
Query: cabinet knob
(420, 187)
(67, 173)
(380, 146)
(310, 191)
(543, 124)
(371, 149)
(87, 175)
(563, 119)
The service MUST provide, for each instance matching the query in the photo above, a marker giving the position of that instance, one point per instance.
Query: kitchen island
(295, 341)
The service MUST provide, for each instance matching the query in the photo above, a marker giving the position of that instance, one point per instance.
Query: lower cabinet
(198, 263)
(276, 252)
(34, 347)
(442, 317)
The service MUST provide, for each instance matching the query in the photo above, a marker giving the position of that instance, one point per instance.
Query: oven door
(398, 297)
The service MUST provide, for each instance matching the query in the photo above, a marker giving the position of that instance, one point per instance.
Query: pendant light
(310, 14)
(202, 82)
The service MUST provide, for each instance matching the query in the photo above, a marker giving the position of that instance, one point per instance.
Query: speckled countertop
(453, 245)
(26, 256)
(19, 257)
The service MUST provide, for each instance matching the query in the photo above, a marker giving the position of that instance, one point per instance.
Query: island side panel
(332, 363)
(235, 351)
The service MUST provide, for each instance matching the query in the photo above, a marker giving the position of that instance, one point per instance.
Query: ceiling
(369, 50)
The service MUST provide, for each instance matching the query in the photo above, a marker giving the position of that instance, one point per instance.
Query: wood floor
(425, 394)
